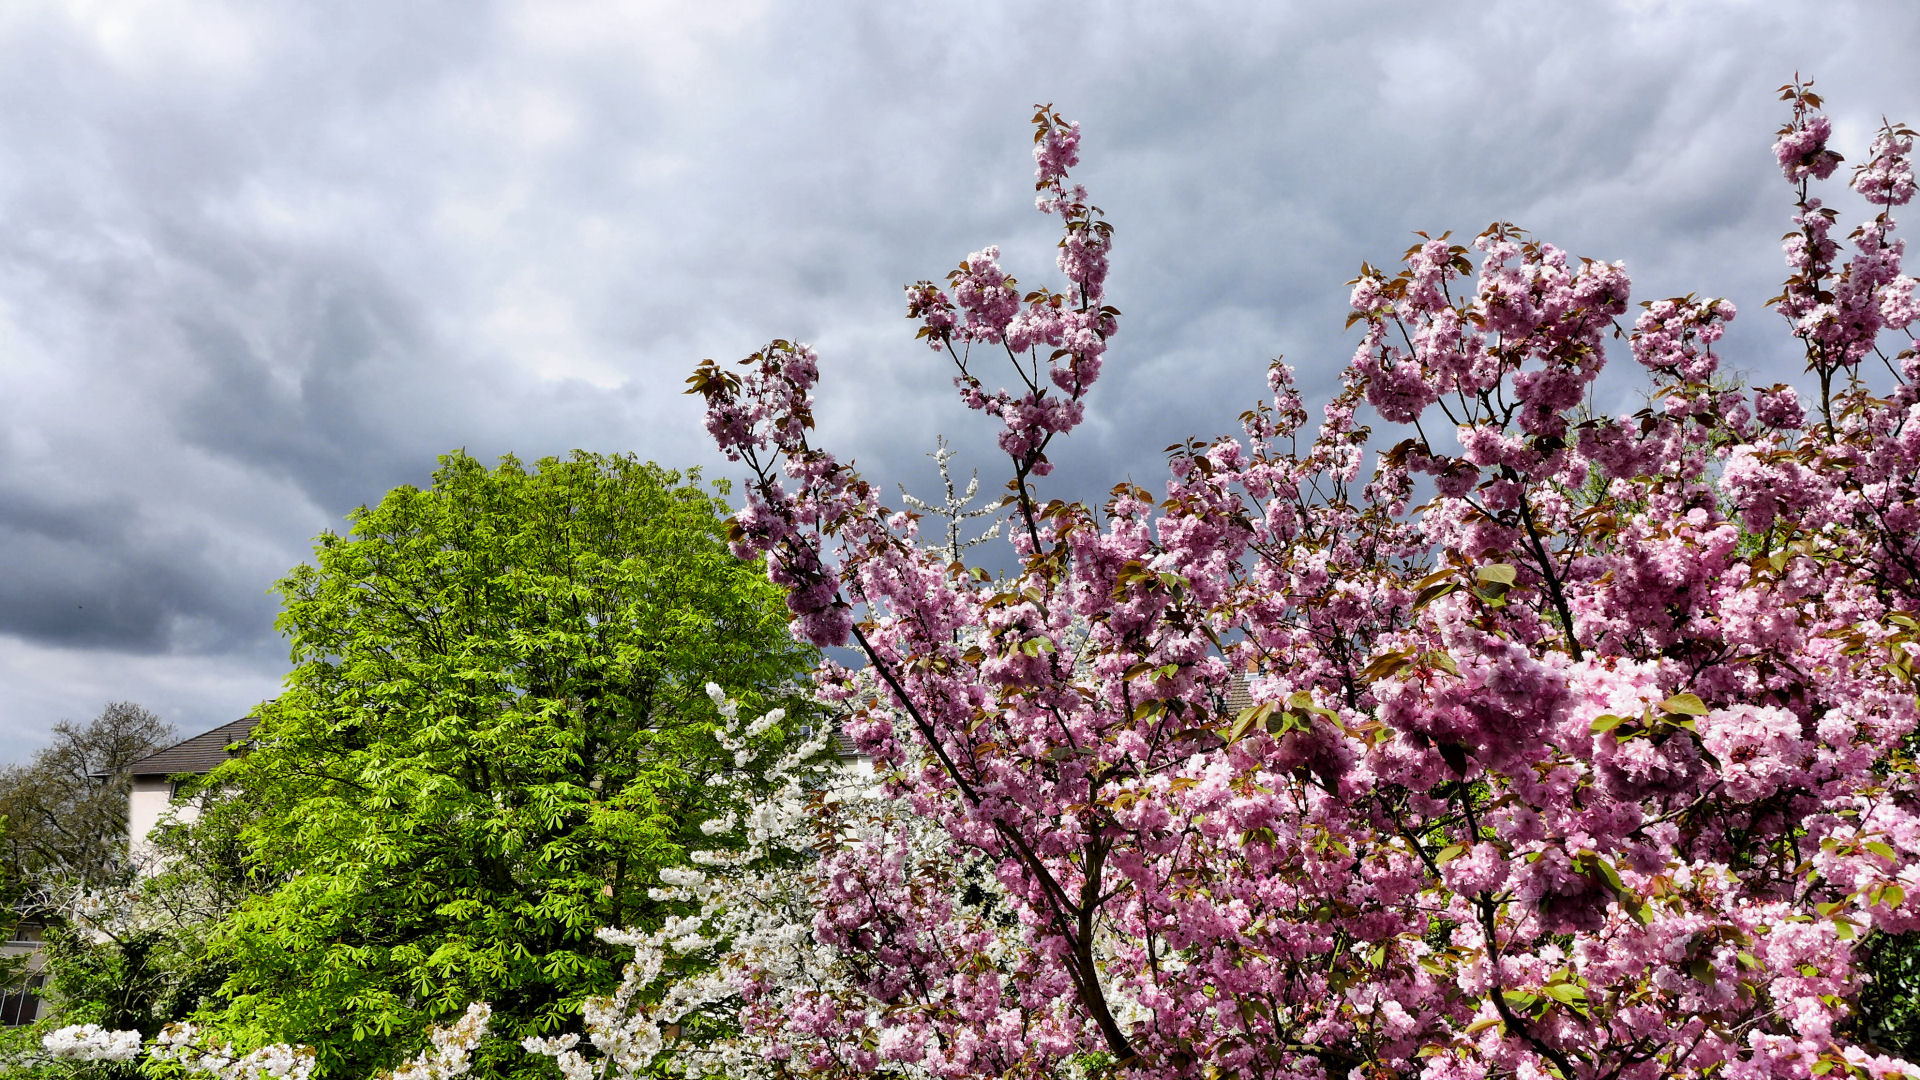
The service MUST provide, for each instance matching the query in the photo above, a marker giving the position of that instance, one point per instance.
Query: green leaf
(1684, 705)
(1565, 993)
(1282, 722)
(1520, 1000)
(1246, 720)
(1608, 874)
(1498, 573)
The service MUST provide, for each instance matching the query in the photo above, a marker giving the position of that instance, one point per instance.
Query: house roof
(197, 755)
(1239, 692)
(843, 743)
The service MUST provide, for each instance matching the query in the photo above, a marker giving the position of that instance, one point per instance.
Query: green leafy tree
(495, 733)
(63, 815)
(1889, 1013)
(63, 834)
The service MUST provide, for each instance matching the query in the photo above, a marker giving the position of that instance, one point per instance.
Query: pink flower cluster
(1571, 740)
(1070, 325)
(1839, 314)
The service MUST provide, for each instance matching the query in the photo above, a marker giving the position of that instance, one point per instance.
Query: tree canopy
(1578, 745)
(494, 734)
(65, 812)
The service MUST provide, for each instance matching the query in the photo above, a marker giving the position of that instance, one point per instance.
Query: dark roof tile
(197, 755)
(1239, 693)
(843, 743)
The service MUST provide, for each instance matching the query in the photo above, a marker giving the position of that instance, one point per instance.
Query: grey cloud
(91, 574)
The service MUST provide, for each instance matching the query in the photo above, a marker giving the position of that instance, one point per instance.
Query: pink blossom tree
(1581, 746)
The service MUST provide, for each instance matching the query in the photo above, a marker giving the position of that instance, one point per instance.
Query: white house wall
(150, 801)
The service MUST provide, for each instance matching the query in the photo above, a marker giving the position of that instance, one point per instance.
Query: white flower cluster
(751, 923)
(91, 1042)
(450, 1049)
(956, 508)
(745, 744)
(681, 878)
(185, 1045)
(626, 1035)
(448, 1054)
(745, 901)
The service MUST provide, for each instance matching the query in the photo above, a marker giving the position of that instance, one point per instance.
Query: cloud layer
(262, 263)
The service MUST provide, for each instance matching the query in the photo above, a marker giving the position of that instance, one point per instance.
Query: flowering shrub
(1580, 745)
(756, 947)
(447, 1055)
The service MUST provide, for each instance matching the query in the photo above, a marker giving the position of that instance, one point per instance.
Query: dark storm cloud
(95, 575)
(262, 264)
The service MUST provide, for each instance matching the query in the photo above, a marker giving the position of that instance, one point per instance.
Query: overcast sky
(261, 262)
